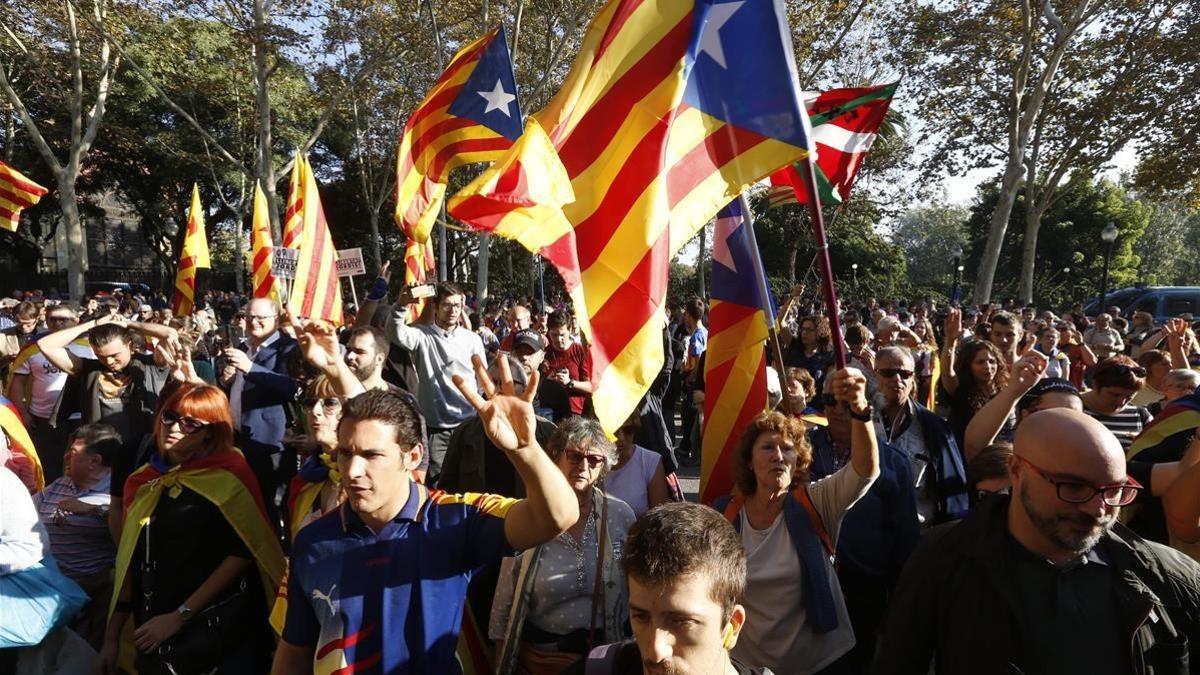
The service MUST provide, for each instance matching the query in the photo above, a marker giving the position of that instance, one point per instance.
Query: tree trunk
(375, 249)
(700, 261)
(76, 237)
(1033, 223)
(239, 259)
(991, 252)
(262, 100)
(481, 281)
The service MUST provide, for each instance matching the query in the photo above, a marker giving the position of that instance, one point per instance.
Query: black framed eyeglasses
(1075, 492)
(189, 425)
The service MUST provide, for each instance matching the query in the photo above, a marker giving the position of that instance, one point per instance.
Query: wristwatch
(184, 612)
(866, 416)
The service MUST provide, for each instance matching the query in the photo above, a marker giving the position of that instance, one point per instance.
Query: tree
(974, 58)
(928, 236)
(1166, 252)
(50, 37)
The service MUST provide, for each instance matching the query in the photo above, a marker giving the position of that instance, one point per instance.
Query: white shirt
(23, 540)
(439, 355)
(629, 483)
(776, 634)
(47, 381)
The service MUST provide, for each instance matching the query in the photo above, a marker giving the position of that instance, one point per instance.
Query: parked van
(1161, 302)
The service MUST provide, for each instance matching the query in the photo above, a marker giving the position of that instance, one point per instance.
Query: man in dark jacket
(1046, 581)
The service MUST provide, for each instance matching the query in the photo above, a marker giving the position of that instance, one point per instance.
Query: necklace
(577, 547)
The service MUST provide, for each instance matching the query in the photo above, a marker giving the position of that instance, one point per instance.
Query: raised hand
(319, 345)
(1027, 371)
(849, 386)
(952, 330)
(508, 419)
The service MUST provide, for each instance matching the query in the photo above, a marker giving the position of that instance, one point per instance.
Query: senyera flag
(16, 192)
(735, 363)
(262, 250)
(670, 110)
(845, 124)
(471, 114)
(316, 291)
(418, 266)
(21, 446)
(193, 256)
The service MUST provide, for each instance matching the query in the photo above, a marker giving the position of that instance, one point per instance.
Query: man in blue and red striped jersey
(379, 585)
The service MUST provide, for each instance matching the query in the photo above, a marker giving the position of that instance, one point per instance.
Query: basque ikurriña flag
(671, 109)
(735, 364)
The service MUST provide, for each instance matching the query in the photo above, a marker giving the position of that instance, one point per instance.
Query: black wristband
(866, 416)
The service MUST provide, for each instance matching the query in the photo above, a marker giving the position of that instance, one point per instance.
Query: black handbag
(209, 636)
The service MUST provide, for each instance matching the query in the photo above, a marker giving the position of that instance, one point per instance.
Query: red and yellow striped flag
(265, 285)
(293, 220)
(470, 115)
(671, 109)
(16, 192)
(193, 256)
(316, 292)
(20, 443)
(418, 264)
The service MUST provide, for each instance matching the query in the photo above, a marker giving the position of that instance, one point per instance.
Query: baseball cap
(529, 338)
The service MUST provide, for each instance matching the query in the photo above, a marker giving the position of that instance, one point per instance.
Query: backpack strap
(801, 495)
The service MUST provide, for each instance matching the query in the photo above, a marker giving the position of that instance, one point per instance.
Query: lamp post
(956, 292)
(854, 268)
(1108, 235)
(1067, 278)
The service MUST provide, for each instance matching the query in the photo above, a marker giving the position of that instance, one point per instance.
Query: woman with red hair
(196, 528)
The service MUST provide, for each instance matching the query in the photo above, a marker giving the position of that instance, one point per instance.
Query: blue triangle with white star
(489, 96)
(741, 69)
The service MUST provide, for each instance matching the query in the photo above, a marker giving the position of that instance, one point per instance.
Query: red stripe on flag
(596, 129)
(9, 215)
(707, 158)
(720, 480)
(498, 144)
(722, 315)
(25, 186)
(21, 202)
(260, 257)
(630, 306)
(447, 124)
(618, 21)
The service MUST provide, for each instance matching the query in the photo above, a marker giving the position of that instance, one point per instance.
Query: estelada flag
(470, 115)
(21, 445)
(316, 289)
(261, 250)
(16, 192)
(845, 123)
(193, 256)
(735, 361)
(671, 109)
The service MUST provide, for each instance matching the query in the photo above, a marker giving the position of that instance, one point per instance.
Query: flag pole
(809, 178)
(760, 277)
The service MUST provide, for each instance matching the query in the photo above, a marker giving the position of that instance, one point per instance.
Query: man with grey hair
(1176, 384)
(1046, 581)
(1102, 338)
(937, 469)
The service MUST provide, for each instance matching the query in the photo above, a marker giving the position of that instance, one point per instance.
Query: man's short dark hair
(107, 332)
(558, 319)
(445, 289)
(1005, 319)
(1047, 385)
(678, 539)
(380, 338)
(98, 439)
(695, 309)
(386, 407)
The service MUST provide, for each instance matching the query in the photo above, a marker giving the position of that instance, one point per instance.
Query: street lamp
(1108, 235)
(854, 268)
(956, 292)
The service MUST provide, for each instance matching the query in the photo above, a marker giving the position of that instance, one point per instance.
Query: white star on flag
(497, 99)
(722, 231)
(710, 39)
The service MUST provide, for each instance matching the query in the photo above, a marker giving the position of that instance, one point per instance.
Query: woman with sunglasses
(316, 490)
(574, 596)
(1115, 381)
(198, 560)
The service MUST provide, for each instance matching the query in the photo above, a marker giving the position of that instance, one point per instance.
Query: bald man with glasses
(1047, 580)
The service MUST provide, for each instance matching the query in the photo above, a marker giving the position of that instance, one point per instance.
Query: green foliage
(1070, 238)
(928, 236)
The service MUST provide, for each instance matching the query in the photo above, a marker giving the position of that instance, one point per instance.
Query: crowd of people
(424, 489)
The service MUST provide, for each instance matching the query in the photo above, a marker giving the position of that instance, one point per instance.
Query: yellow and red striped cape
(17, 192)
(316, 290)
(193, 256)
(647, 171)
(222, 478)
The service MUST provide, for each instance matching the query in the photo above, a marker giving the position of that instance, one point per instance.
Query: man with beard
(1047, 581)
(366, 352)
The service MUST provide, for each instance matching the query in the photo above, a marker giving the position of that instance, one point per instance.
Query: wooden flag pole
(764, 293)
(809, 177)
